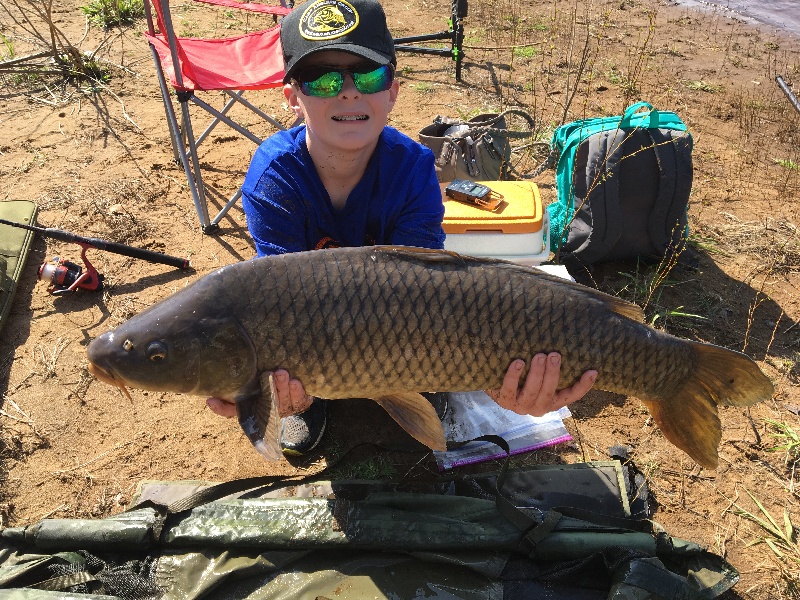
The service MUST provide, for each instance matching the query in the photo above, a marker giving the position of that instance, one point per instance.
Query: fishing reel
(67, 277)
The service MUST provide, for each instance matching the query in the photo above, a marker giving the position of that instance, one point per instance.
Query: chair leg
(224, 211)
(239, 97)
(193, 174)
(182, 139)
(227, 120)
(215, 122)
(172, 122)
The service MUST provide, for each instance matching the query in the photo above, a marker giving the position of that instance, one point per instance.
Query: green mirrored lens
(326, 86)
(375, 81)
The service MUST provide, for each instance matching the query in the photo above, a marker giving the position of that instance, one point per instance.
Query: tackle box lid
(519, 212)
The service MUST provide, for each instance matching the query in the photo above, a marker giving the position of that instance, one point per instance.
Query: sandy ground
(99, 163)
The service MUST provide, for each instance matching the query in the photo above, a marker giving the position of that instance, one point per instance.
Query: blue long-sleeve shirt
(398, 200)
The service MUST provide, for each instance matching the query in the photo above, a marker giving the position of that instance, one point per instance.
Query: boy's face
(350, 120)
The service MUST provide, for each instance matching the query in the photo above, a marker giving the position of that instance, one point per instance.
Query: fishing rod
(786, 90)
(67, 277)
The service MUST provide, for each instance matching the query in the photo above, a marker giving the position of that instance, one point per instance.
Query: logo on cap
(328, 19)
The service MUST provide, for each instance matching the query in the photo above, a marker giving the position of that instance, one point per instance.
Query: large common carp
(389, 322)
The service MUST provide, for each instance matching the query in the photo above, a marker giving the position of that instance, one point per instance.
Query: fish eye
(127, 345)
(156, 351)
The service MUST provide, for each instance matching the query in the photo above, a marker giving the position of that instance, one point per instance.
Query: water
(782, 15)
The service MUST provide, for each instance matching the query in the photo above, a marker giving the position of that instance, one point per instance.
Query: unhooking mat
(14, 246)
(565, 531)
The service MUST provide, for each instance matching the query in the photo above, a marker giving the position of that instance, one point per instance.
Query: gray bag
(478, 149)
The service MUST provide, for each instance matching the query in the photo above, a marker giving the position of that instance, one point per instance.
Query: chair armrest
(251, 6)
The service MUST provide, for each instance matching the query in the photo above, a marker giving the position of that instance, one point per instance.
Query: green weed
(645, 287)
(111, 13)
(376, 467)
(669, 313)
(423, 87)
(83, 67)
(618, 78)
(789, 439)
(9, 48)
(526, 51)
(704, 86)
(780, 538)
(704, 243)
(787, 163)
(615, 76)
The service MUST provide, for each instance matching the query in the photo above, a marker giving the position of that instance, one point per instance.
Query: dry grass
(561, 61)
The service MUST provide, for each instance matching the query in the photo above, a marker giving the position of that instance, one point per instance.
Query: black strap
(477, 128)
(534, 530)
(668, 219)
(537, 530)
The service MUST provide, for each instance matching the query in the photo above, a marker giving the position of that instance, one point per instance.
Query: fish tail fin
(416, 416)
(258, 416)
(689, 418)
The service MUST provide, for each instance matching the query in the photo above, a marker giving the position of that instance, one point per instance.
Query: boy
(347, 179)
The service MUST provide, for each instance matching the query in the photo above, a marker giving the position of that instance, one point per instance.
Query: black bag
(478, 149)
(623, 187)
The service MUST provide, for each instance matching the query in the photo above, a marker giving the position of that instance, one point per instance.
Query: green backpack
(623, 186)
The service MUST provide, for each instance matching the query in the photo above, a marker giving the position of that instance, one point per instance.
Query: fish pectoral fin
(416, 416)
(257, 409)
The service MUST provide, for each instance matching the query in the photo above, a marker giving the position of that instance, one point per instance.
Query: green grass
(704, 243)
(422, 87)
(645, 286)
(526, 51)
(789, 439)
(376, 467)
(780, 538)
(704, 86)
(111, 13)
(83, 67)
(787, 163)
(8, 52)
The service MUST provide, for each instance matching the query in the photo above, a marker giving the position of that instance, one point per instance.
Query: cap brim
(371, 55)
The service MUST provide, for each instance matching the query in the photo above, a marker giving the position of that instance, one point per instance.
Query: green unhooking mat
(14, 246)
(551, 531)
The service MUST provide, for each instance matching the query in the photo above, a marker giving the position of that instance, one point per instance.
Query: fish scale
(389, 322)
(475, 327)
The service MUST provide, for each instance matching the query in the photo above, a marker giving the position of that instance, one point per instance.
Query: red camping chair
(231, 65)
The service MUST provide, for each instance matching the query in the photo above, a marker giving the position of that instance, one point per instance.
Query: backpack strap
(599, 209)
(667, 223)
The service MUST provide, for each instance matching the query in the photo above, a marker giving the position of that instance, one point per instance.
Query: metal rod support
(786, 90)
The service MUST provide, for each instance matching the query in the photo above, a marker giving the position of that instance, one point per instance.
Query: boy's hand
(291, 398)
(538, 396)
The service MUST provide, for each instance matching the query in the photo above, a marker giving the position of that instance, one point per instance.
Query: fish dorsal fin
(614, 304)
(416, 416)
(423, 254)
(617, 305)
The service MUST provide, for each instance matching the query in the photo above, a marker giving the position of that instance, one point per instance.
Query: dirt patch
(99, 163)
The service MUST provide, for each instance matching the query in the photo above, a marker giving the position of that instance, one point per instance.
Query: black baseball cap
(354, 26)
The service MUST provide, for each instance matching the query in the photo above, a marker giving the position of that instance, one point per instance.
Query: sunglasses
(327, 82)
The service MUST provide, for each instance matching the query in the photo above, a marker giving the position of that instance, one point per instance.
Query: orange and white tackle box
(517, 230)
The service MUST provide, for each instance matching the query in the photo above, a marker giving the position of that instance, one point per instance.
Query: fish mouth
(108, 377)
